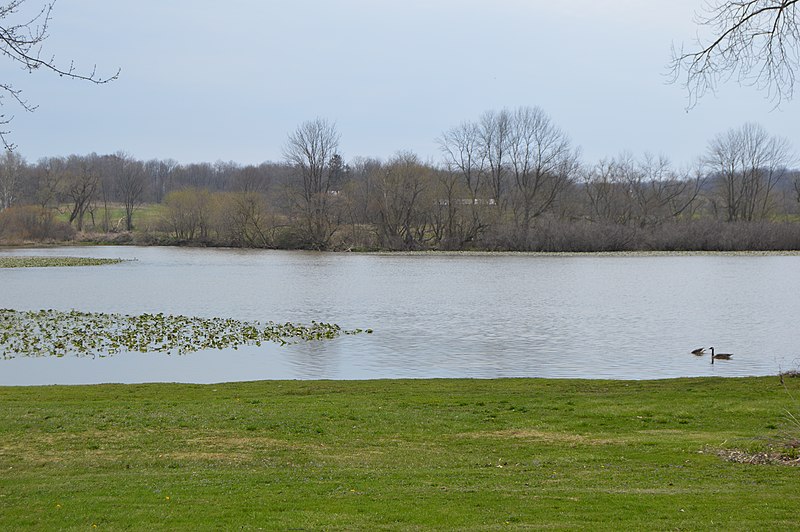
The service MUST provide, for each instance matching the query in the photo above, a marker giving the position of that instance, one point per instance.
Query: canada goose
(719, 356)
(699, 351)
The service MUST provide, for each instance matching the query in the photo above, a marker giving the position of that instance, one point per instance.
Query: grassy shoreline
(398, 454)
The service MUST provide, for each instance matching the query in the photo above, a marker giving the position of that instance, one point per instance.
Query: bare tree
(131, 183)
(465, 161)
(80, 185)
(677, 195)
(160, 173)
(360, 195)
(463, 152)
(401, 215)
(310, 149)
(542, 164)
(656, 191)
(21, 39)
(609, 198)
(252, 179)
(796, 185)
(11, 167)
(46, 181)
(747, 163)
(198, 175)
(243, 219)
(495, 130)
(756, 42)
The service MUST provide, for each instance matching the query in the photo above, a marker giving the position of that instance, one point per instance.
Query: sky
(206, 81)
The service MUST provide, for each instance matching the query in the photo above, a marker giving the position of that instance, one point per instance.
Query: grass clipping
(57, 333)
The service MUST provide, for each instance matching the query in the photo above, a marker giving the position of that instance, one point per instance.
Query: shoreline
(421, 253)
(786, 375)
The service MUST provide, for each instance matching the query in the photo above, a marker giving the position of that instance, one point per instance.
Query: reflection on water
(600, 316)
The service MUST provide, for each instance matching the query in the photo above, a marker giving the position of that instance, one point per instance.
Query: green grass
(46, 262)
(145, 217)
(419, 455)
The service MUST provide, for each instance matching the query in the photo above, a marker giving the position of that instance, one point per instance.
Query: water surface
(434, 315)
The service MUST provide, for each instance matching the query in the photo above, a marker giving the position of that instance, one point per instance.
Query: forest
(510, 180)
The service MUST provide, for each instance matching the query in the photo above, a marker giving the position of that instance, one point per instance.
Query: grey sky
(207, 80)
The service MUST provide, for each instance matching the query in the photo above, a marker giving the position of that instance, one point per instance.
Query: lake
(434, 315)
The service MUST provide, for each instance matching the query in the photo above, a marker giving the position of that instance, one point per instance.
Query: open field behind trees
(510, 180)
(422, 455)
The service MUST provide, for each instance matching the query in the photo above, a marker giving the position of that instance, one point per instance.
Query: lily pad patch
(58, 333)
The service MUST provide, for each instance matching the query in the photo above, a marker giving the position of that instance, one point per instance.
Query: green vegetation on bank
(422, 455)
(57, 333)
(46, 262)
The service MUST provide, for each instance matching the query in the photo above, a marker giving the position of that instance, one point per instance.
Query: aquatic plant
(42, 262)
(57, 333)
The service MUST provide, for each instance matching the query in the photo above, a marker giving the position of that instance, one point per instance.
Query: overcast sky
(206, 80)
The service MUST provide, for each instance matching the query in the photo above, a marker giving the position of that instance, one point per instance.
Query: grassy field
(419, 455)
(145, 217)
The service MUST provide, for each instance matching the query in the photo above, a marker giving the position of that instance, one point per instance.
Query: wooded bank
(509, 181)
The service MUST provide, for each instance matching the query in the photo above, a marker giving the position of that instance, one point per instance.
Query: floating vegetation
(46, 262)
(56, 333)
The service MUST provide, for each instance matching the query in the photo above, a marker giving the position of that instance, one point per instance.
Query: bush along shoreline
(551, 237)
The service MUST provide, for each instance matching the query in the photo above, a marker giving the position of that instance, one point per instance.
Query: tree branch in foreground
(755, 42)
(21, 42)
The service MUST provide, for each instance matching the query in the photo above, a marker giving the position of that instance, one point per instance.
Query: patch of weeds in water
(56, 333)
(47, 262)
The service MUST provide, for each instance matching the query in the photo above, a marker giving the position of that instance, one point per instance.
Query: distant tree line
(509, 180)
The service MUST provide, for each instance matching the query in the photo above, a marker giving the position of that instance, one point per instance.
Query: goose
(699, 351)
(719, 356)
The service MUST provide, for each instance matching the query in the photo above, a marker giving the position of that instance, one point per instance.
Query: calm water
(606, 316)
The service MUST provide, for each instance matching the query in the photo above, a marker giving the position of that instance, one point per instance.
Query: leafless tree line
(510, 180)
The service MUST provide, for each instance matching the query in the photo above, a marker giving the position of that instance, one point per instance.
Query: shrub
(30, 222)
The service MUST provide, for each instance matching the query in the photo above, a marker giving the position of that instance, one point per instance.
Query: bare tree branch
(22, 42)
(755, 42)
